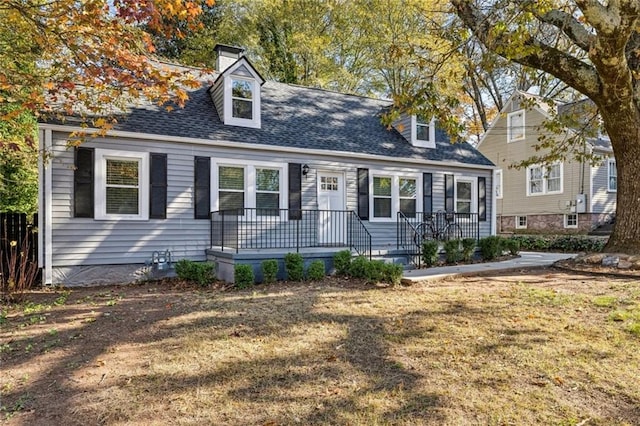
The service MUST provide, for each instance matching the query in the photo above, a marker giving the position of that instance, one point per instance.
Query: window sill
(381, 219)
(424, 144)
(121, 218)
(242, 122)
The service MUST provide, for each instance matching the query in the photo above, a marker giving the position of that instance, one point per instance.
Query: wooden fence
(18, 231)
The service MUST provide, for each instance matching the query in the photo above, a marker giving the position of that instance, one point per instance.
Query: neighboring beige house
(570, 196)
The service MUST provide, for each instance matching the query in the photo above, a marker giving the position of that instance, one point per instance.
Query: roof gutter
(222, 144)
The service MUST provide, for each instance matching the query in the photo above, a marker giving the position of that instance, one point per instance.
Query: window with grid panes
(612, 184)
(536, 180)
(464, 194)
(231, 189)
(515, 126)
(267, 192)
(554, 180)
(382, 196)
(122, 186)
(407, 192)
(242, 99)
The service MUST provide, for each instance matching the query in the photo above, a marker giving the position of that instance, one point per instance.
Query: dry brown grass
(536, 348)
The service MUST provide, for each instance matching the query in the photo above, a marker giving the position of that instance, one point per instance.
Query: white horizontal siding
(602, 200)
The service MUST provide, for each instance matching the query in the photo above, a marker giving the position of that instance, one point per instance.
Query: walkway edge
(527, 260)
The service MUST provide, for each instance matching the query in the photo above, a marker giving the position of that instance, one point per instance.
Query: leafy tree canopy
(591, 46)
(87, 57)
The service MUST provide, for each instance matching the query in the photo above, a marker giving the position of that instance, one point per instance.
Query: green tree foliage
(372, 47)
(18, 170)
(88, 58)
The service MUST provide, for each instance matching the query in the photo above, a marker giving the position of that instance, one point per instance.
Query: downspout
(41, 201)
(493, 202)
(44, 206)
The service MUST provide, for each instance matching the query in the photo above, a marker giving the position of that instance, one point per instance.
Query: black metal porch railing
(255, 228)
(440, 226)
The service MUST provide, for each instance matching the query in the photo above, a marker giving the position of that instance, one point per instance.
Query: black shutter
(427, 193)
(295, 191)
(448, 193)
(158, 187)
(83, 183)
(202, 187)
(363, 194)
(482, 199)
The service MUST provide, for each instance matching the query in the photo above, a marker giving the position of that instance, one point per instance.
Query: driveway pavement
(526, 260)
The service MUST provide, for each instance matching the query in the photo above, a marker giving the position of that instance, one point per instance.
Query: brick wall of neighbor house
(552, 223)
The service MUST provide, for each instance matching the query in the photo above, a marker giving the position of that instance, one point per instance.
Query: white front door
(332, 218)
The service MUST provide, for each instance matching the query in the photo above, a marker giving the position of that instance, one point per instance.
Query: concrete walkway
(526, 260)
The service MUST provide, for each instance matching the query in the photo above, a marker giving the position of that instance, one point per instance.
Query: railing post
(298, 233)
(350, 229)
(398, 231)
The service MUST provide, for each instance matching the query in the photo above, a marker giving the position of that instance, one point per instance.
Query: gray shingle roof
(300, 117)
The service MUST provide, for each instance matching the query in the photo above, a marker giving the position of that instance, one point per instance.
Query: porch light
(305, 170)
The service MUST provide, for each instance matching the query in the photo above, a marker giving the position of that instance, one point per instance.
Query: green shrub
(490, 247)
(452, 252)
(269, 271)
(373, 271)
(316, 271)
(243, 275)
(392, 273)
(532, 242)
(468, 247)
(512, 245)
(430, 252)
(358, 267)
(294, 266)
(576, 243)
(565, 243)
(342, 262)
(201, 273)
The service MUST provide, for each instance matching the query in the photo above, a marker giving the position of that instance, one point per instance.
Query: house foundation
(551, 223)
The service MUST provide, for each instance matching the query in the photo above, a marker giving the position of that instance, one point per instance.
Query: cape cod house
(249, 170)
(568, 196)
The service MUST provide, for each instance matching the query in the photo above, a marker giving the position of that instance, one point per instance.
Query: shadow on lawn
(56, 397)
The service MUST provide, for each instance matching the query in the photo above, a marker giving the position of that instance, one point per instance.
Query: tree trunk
(623, 127)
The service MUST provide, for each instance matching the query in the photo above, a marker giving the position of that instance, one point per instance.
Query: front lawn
(542, 347)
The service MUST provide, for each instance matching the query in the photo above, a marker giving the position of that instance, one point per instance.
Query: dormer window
(236, 91)
(423, 132)
(242, 99)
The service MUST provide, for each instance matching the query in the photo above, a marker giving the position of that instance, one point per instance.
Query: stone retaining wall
(553, 223)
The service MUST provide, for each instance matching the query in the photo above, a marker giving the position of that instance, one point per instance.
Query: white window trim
(545, 190)
(566, 220)
(100, 192)
(229, 119)
(518, 226)
(474, 194)
(509, 117)
(431, 143)
(395, 192)
(499, 184)
(249, 181)
(611, 162)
